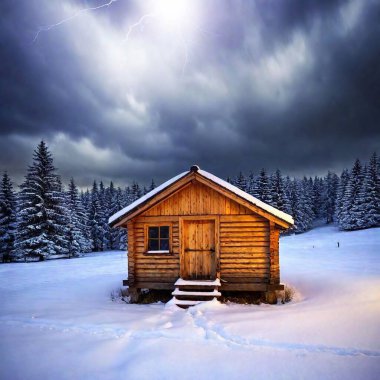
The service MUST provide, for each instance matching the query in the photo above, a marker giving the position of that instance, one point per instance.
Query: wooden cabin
(199, 232)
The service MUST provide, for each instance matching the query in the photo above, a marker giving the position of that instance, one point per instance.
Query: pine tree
(61, 217)
(241, 182)
(263, 192)
(112, 208)
(84, 214)
(287, 183)
(95, 219)
(331, 183)
(85, 198)
(343, 181)
(351, 212)
(297, 206)
(278, 196)
(7, 218)
(252, 185)
(79, 241)
(371, 194)
(104, 215)
(41, 219)
(301, 205)
(152, 186)
(118, 234)
(318, 197)
(128, 196)
(135, 191)
(359, 207)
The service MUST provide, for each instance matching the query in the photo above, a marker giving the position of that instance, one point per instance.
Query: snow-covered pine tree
(263, 191)
(135, 191)
(343, 180)
(85, 198)
(118, 235)
(351, 213)
(128, 196)
(297, 206)
(278, 196)
(131, 194)
(309, 215)
(7, 218)
(359, 207)
(74, 234)
(287, 183)
(79, 241)
(252, 185)
(41, 218)
(83, 213)
(318, 196)
(95, 219)
(371, 186)
(301, 205)
(241, 182)
(61, 217)
(114, 201)
(104, 215)
(152, 186)
(330, 198)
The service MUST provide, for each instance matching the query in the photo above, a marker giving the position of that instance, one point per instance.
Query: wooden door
(199, 258)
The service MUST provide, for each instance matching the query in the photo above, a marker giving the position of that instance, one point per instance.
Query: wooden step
(178, 292)
(182, 282)
(187, 302)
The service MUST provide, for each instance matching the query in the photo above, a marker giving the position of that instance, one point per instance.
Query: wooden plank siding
(244, 249)
(245, 241)
(160, 268)
(131, 253)
(197, 199)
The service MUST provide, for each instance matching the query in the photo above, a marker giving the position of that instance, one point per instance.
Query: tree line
(352, 201)
(43, 220)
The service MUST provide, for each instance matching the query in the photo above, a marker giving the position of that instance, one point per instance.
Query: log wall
(244, 249)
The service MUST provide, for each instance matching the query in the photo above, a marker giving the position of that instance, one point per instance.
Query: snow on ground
(57, 320)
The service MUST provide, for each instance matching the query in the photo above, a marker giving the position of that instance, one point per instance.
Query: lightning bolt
(138, 23)
(146, 17)
(184, 42)
(76, 14)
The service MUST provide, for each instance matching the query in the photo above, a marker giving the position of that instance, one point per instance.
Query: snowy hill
(58, 320)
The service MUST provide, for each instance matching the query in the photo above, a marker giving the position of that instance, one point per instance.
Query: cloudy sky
(142, 89)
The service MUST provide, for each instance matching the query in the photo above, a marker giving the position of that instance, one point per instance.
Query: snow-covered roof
(146, 197)
(251, 199)
(242, 194)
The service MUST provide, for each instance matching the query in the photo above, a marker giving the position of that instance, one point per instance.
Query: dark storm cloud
(289, 84)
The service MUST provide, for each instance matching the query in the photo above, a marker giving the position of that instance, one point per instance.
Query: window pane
(164, 244)
(153, 232)
(164, 232)
(153, 245)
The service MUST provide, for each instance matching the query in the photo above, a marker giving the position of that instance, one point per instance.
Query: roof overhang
(183, 180)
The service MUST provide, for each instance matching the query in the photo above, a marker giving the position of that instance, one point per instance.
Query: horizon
(147, 183)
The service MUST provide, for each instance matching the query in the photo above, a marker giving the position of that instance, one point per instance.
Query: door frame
(194, 218)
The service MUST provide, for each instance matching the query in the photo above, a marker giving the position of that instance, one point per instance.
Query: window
(158, 238)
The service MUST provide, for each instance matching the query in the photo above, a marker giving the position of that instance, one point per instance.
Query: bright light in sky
(174, 21)
(173, 14)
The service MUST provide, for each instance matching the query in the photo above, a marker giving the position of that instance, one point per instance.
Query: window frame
(146, 239)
